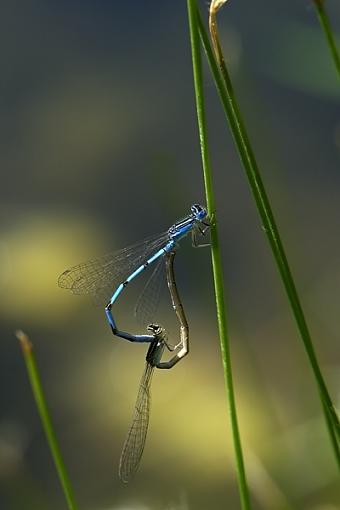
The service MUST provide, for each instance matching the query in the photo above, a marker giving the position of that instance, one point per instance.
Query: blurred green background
(98, 149)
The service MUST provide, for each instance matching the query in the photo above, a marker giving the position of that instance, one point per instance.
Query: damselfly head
(156, 330)
(199, 211)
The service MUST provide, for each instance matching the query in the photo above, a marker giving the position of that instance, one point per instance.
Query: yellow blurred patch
(33, 252)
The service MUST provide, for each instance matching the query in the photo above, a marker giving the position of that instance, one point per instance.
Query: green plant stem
(326, 26)
(332, 432)
(227, 96)
(216, 256)
(33, 374)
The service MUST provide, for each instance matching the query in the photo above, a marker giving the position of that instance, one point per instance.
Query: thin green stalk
(326, 26)
(216, 255)
(33, 374)
(331, 431)
(227, 96)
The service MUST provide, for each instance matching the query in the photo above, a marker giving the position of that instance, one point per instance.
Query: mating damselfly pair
(99, 276)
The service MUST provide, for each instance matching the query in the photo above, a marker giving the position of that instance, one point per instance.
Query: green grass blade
(326, 26)
(216, 255)
(227, 96)
(33, 375)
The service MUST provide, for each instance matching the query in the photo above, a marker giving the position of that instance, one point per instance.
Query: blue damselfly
(97, 277)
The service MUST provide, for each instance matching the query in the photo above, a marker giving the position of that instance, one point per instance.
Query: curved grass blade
(237, 126)
(40, 400)
(216, 254)
(326, 27)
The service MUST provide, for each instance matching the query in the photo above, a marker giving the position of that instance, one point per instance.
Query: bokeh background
(99, 148)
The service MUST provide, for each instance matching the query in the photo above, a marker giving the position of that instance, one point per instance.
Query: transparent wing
(148, 300)
(98, 276)
(135, 440)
